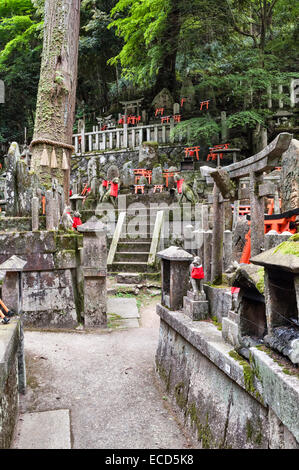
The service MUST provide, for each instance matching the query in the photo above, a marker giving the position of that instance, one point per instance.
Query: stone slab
(44, 430)
(124, 307)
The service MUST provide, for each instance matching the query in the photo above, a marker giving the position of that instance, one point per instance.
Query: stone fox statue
(183, 191)
(66, 219)
(197, 277)
(112, 192)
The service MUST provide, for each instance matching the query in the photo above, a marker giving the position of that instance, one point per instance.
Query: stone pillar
(224, 129)
(236, 213)
(256, 215)
(49, 210)
(205, 217)
(94, 268)
(217, 237)
(227, 249)
(207, 254)
(35, 211)
(276, 202)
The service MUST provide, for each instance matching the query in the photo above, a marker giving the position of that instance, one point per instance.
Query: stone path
(97, 389)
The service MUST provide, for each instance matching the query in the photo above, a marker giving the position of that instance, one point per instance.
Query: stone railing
(121, 138)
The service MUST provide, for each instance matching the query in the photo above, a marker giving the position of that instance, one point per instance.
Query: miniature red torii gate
(224, 178)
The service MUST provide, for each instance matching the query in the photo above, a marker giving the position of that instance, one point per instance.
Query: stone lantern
(175, 264)
(94, 268)
(12, 285)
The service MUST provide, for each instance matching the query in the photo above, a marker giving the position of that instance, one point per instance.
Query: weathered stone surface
(220, 301)
(9, 346)
(148, 155)
(290, 177)
(196, 309)
(27, 243)
(230, 332)
(49, 299)
(222, 398)
(164, 100)
(284, 256)
(249, 276)
(280, 390)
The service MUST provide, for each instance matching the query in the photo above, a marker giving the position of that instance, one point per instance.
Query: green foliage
(141, 25)
(196, 130)
(20, 49)
(244, 119)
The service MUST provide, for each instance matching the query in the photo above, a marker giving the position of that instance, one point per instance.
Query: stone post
(35, 210)
(205, 217)
(49, 210)
(224, 129)
(94, 268)
(207, 252)
(217, 237)
(236, 213)
(227, 249)
(256, 215)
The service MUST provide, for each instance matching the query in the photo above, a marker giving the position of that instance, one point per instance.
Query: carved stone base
(196, 309)
(196, 297)
(230, 329)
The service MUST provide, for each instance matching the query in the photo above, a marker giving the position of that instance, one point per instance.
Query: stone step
(132, 238)
(134, 246)
(131, 256)
(129, 267)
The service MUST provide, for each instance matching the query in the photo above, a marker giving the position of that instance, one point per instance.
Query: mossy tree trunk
(56, 97)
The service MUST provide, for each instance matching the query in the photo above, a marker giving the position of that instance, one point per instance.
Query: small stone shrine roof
(175, 253)
(13, 264)
(284, 256)
(92, 225)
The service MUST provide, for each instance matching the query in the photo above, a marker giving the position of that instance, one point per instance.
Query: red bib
(179, 185)
(114, 189)
(235, 290)
(76, 221)
(105, 183)
(197, 273)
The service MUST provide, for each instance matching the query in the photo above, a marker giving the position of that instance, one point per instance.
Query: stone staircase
(132, 249)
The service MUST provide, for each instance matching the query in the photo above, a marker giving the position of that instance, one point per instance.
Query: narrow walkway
(104, 386)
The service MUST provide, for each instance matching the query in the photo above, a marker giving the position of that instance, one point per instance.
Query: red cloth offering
(71, 192)
(114, 189)
(197, 273)
(76, 221)
(235, 290)
(105, 183)
(179, 185)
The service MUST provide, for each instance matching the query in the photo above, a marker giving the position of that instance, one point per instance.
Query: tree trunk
(166, 77)
(56, 96)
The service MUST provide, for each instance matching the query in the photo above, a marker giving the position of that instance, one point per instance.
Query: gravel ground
(107, 381)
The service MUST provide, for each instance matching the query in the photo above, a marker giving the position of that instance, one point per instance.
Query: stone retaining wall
(52, 286)
(12, 378)
(224, 400)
